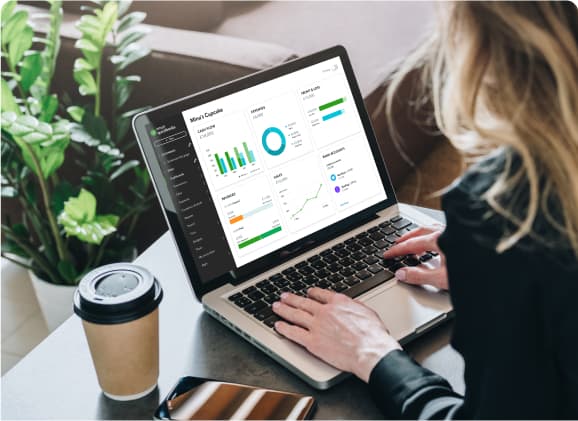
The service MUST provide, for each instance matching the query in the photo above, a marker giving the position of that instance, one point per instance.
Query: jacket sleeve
(405, 390)
(566, 344)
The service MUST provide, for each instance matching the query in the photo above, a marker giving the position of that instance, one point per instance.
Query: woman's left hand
(343, 332)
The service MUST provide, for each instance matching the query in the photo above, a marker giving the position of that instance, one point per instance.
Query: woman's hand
(418, 242)
(343, 332)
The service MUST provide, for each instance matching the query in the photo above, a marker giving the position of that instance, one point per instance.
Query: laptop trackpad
(405, 308)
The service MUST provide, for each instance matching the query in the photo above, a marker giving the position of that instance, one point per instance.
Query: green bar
(238, 157)
(229, 161)
(331, 104)
(219, 163)
(247, 152)
(259, 237)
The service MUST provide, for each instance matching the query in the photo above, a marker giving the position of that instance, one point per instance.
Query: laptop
(275, 182)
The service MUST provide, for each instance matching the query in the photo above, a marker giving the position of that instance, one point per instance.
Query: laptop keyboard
(352, 267)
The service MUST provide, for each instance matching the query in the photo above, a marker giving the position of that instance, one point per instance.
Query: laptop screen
(284, 159)
(251, 173)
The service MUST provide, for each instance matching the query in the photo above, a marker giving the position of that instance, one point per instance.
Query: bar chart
(331, 112)
(226, 146)
(250, 216)
(237, 159)
(331, 106)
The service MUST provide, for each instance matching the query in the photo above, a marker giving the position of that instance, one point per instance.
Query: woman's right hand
(417, 242)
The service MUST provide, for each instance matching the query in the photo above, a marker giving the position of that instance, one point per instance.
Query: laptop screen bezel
(158, 114)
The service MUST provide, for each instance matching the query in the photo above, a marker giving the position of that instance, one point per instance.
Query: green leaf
(132, 53)
(130, 20)
(108, 17)
(124, 87)
(75, 112)
(134, 35)
(122, 126)
(26, 124)
(84, 44)
(86, 8)
(42, 145)
(9, 191)
(15, 78)
(11, 247)
(124, 168)
(80, 220)
(96, 127)
(123, 6)
(20, 231)
(67, 270)
(50, 51)
(7, 10)
(30, 70)
(81, 64)
(123, 121)
(81, 208)
(87, 84)
(80, 135)
(8, 102)
(60, 194)
(90, 25)
(14, 26)
(49, 107)
(19, 45)
(8, 118)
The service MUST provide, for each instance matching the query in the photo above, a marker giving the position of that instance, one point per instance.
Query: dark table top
(57, 380)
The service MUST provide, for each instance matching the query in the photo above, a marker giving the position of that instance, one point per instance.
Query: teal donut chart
(281, 148)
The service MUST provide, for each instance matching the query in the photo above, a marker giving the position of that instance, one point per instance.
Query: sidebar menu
(191, 197)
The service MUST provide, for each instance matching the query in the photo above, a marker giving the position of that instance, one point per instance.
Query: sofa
(197, 45)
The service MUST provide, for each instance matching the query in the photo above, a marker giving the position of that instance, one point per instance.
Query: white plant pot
(55, 300)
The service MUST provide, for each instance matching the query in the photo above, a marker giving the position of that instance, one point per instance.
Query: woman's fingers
(293, 315)
(422, 276)
(310, 306)
(416, 245)
(322, 295)
(414, 233)
(295, 333)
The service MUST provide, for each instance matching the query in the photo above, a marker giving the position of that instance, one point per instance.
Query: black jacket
(516, 326)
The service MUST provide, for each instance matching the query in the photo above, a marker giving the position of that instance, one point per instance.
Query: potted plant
(69, 224)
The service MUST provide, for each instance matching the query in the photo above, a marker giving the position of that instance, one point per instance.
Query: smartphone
(193, 398)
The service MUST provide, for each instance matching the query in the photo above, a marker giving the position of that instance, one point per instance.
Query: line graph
(307, 201)
(303, 195)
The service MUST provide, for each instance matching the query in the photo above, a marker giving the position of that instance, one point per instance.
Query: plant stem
(113, 102)
(97, 96)
(54, 33)
(34, 255)
(40, 231)
(29, 207)
(46, 198)
(101, 249)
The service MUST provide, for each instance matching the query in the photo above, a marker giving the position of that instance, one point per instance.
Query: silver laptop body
(287, 237)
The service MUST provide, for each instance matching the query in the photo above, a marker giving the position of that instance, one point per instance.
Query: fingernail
(284, 295)
(276, 304)
(400, 274)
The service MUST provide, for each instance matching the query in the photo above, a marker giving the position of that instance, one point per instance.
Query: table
(57, 380)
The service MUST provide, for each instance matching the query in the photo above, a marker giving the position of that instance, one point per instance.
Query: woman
(502, 78)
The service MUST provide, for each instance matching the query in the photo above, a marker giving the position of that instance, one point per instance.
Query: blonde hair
(504, 75)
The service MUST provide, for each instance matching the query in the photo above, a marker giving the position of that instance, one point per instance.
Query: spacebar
(368, 284)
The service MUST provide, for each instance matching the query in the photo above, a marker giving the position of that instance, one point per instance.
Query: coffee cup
(118, 305)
